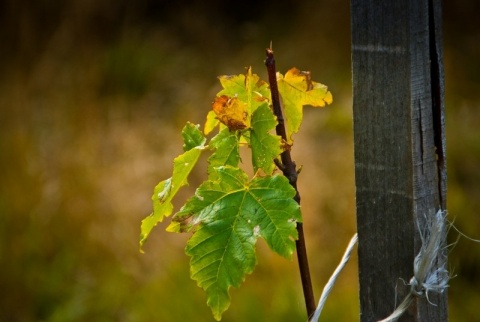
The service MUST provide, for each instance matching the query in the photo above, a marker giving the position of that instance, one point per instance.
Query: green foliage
(226, 144)
(229, 211)
(167, 189)
(265, 147)
(192, 137)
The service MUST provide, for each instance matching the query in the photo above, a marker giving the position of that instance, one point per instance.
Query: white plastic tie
(426, 276)
(328, 287)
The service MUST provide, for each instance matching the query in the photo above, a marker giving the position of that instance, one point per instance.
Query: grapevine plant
(230, 210)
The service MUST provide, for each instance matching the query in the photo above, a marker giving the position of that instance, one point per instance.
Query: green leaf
(192, 136)
(229, 214)
(248, 88)
(226, 145)
(257, 91)
(167, 189)
(265, 147)
(297, 90)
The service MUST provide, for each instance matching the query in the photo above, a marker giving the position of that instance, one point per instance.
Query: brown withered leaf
(231, 112)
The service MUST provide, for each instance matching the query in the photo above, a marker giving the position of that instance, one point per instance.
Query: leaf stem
(288, 167)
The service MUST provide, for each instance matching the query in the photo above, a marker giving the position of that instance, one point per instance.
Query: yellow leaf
(297, 90)
(307, 91)
(211, 122)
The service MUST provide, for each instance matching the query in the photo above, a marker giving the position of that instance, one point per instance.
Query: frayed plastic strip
(328, 287)
(427, 276)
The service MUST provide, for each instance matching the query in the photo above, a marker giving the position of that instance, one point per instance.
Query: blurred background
(93, 95)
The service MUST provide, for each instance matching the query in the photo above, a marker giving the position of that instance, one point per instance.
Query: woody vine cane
(289, 170)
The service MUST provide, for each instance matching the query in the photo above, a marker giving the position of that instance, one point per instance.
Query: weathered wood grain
(399, 138)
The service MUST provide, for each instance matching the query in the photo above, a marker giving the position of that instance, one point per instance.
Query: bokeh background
(93, 95)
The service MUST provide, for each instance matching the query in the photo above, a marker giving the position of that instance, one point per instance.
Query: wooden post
(398, 108)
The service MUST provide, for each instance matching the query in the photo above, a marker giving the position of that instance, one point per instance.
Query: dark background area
(93, 95)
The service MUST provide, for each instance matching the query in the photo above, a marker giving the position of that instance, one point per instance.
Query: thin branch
(288, 167)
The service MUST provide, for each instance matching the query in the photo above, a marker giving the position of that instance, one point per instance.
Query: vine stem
(288, 167)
